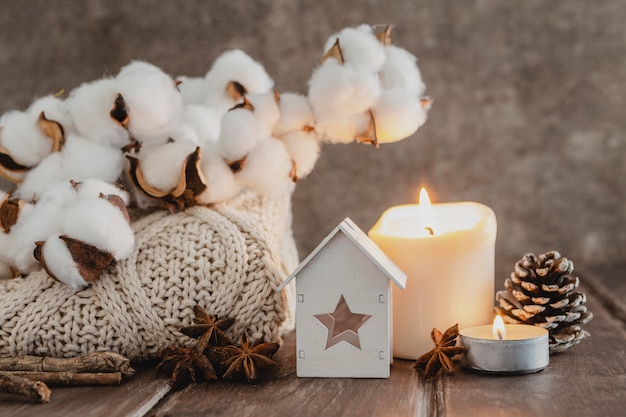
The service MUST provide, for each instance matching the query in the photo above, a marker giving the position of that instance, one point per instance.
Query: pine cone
(541, 292)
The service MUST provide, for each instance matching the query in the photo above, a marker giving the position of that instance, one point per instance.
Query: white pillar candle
(516, 349)
(447, 252)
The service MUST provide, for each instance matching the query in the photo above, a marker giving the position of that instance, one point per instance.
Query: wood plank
(281, 392)
(135, 397)
(589, 379)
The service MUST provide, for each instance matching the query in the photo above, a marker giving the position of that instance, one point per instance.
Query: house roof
(365, 244)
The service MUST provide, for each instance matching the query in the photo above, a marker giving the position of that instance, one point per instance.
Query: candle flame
(499, 332)
(427, 216)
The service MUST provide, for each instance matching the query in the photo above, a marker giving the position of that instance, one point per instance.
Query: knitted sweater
(229, 259)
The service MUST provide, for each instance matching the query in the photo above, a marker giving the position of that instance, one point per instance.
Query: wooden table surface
(587, 380)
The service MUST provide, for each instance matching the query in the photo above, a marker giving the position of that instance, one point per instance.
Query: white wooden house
(343, 307)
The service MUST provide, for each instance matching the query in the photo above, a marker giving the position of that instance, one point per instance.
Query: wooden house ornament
(343, 307)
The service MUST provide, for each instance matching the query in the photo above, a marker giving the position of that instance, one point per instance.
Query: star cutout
(342, 325)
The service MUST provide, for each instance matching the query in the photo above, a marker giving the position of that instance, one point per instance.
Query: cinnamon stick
(35, 390)
(68, 378)
(93, 362)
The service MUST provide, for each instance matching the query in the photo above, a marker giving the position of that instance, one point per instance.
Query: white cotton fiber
(221, 182)
(304, 149)
(185, 133)
(398, 115)
(84, 159)
(155, 105)
(266, 109)
(236, 65)
(360, 48)
(267, 169)
(401, 71)
(335, 88)
(101, 224)
(295, 113)
(194, 90)
(204, 121)
(342, 128)
(39, 179)
(23, 139)
(240, 132)
(55, 109)
(92, 188)
(60, 263)
(38, 222)
(162, 167)
(79, 160)
(90, 107)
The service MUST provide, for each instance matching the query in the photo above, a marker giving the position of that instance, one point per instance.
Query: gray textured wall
(530, 98)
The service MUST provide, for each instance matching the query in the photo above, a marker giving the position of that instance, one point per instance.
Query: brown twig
(69, 378)
(36, 390)
(94, 363)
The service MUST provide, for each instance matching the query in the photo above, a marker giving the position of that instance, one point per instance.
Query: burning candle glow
(499, 331)
(447, 252)
(500, 348)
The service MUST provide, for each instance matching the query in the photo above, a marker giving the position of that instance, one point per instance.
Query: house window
(301, 298)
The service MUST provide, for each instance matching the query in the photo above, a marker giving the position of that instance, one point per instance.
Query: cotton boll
(84, 159)
(162, 166)
(194, 90)
(154, 103)
(205, 121)
(304, 149)
(398, 114)
(23, 139)
(337, 88)
(184, 132)
(101, 224)
(239, 133)
(41, 221)
(266, 109)
(401, 71)
(92, 188)
(236, 65)
(221, 182)
(295, 113)
(90, 107)
(50, 171)
(54, 109)
(267, 169)
(342, 128)
(359, 48)
(60, 263)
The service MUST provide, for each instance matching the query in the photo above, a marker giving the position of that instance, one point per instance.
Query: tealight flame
(499, 332)
(427, 216)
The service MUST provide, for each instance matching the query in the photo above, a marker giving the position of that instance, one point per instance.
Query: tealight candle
(509, 349)
(447, 252)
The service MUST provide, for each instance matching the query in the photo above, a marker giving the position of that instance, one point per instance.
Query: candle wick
(499, 334)
(430, 230)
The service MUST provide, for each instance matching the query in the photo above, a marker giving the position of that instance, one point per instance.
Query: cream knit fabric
(228, 259)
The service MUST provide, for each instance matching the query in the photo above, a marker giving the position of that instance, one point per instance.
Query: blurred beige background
(529, 114)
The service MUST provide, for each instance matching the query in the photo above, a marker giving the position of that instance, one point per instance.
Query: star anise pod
(246, 359)
(431, 363)
(184, 366)
(209, 330)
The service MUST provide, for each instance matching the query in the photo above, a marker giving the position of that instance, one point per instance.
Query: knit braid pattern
(229, 259)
